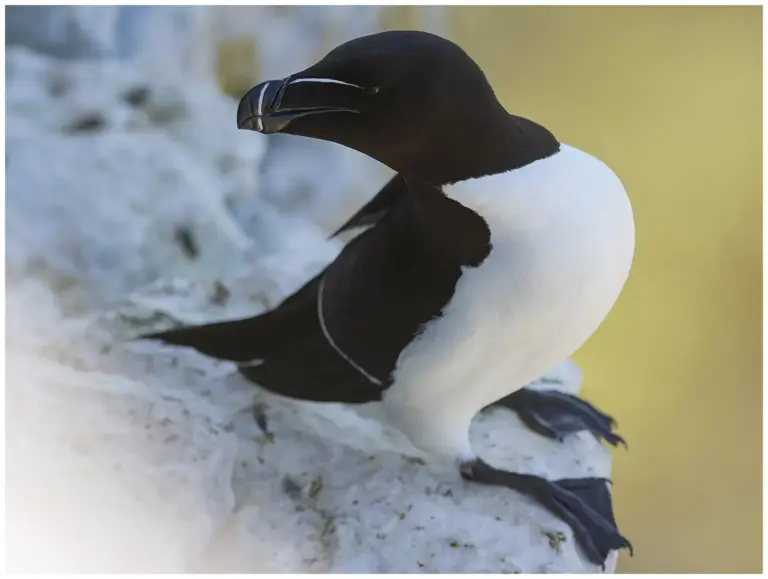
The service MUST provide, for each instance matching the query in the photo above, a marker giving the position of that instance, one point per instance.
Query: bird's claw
(583, 503)
(556, 414)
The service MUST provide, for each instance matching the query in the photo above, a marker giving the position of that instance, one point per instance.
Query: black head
(412, 100)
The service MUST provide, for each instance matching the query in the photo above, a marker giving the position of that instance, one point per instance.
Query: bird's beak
(261, 108)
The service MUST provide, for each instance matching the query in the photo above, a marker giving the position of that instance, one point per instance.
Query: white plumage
(563, 239)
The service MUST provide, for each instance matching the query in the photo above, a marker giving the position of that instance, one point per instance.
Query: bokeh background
(670, 98)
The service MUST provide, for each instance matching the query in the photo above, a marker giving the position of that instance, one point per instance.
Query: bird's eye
(372, 90)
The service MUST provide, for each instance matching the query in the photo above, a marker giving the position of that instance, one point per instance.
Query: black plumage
(421, 106)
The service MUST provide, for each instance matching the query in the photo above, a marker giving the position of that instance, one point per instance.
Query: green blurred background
(670, 98)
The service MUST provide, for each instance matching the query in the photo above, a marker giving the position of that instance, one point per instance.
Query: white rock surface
(127, 457)
(160, 465)
(69, 31)
(106, 169)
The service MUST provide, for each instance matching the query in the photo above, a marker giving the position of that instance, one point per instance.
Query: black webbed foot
(583, 503)
(556, 414)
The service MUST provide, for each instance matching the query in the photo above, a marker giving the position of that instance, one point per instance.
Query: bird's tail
(257, 338)
(234, 340)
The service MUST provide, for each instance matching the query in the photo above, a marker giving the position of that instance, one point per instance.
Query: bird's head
(405, 98)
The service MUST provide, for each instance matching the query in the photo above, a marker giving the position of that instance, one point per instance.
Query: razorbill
(492, 255)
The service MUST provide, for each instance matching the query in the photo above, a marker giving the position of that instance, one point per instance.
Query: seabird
(491, 256)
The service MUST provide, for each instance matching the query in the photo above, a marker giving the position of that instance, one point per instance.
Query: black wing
(399, 275)
(284, 349)
(375, 297)
(244, 340)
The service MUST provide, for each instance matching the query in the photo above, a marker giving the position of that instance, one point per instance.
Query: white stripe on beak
(259, 125)
(324, 80)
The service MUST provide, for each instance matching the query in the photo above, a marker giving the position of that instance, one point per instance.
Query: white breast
(563, 240)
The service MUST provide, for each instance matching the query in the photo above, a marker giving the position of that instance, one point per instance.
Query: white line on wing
(329, 339)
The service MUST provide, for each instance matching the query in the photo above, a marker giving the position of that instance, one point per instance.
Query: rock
(163, 441)
(105, 472)
(63, 31)
(136, 179)
(328, 202)
(112, 212)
